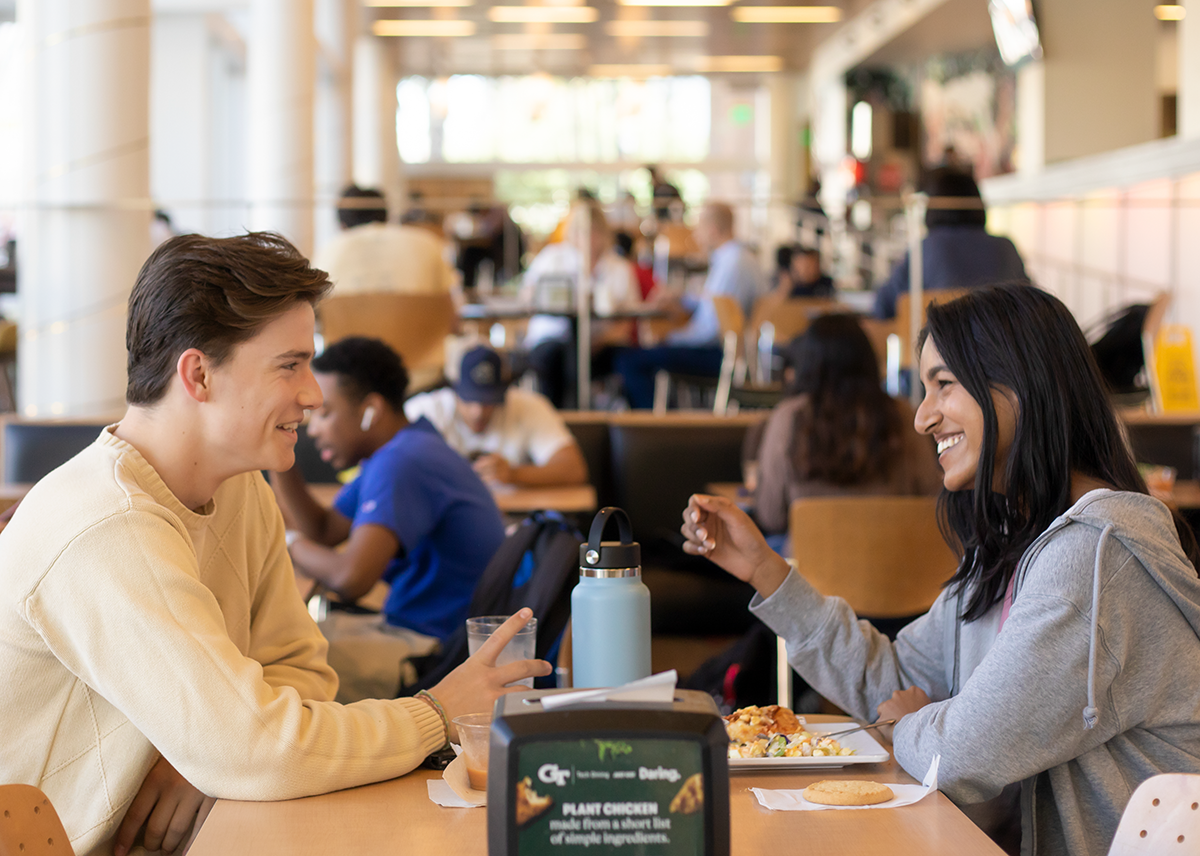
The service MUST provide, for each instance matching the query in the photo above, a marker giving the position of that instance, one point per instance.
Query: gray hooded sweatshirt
(1092, 686)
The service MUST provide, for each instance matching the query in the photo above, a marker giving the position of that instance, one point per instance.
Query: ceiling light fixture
(539, 42)
(786, 14)
(736, 64)
(416, 4)
(543, 14)
(630, 70)
(654, 29)
(446, 29)
(674, 2)
(1169, 12)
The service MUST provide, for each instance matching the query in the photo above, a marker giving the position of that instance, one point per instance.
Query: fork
(878, 724)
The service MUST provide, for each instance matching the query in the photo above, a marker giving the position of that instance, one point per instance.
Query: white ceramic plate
(866, 751)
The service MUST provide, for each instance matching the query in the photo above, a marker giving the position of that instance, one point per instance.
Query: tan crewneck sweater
(131, 625)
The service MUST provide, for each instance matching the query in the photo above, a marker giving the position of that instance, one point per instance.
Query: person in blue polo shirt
(417, 516)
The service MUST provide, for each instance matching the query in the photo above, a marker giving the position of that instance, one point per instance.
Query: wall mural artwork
(969, 120)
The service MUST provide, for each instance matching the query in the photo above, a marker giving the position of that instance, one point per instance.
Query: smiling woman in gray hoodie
(1063, 659)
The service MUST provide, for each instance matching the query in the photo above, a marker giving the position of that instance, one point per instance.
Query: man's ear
(374, 402)
(195, 374)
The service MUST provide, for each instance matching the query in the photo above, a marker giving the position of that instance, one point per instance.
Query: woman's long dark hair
(851, 433)
(1022, 339)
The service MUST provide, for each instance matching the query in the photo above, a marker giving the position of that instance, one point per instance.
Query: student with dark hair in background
(372, 256)
(837, 432)
(416, 516)
(957, 252)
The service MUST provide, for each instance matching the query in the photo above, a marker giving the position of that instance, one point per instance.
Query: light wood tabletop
(510, 499)
(397, 816)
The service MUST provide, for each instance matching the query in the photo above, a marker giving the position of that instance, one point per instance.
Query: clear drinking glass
(522, 646)
(474, 736)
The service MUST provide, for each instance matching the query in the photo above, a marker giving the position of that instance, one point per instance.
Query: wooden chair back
(789, 317)
(29, 825)
(1163, 816)
(414, 325)
(730, 316)
(884, 555)
(904, 317)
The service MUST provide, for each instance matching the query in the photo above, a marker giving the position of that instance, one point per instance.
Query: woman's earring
(368, 418)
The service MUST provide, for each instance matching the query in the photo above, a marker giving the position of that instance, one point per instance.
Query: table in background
(573, 498)
(397, 816)
(735, 492)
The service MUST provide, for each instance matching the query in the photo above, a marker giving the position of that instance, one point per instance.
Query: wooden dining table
(398, 817)
(510, 499)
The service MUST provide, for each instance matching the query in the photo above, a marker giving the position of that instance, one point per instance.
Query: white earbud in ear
(368, 418)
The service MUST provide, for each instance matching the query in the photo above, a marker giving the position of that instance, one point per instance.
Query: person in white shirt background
(549, 339)
(373, 256)
(514, 436)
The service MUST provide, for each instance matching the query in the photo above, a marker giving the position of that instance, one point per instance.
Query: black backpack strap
(492, 591)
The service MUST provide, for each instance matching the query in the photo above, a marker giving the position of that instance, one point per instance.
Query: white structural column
(336, 27)
(1189, 73)
(786, 161)
(376, 156)
(281, 73)
(85, 230)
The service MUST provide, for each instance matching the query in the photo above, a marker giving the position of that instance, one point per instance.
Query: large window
(542, 119)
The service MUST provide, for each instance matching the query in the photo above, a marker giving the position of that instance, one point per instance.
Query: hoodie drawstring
(1090, 714)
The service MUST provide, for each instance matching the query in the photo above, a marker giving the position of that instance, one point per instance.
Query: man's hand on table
(476, 684)
(902, 703)
(167, 807)
(494, 469)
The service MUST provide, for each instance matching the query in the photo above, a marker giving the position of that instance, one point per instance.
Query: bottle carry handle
(600, 522)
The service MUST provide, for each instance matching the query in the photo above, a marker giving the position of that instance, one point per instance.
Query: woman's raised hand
(714, 527)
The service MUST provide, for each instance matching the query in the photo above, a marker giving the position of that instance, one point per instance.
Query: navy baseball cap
(482, 377)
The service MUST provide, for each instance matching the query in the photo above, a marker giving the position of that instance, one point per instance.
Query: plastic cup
(522, 647)
(474, 735)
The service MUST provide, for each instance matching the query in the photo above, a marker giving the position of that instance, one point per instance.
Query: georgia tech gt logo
(552, 774)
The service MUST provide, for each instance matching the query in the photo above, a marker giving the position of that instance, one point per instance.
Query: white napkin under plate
(793, 800)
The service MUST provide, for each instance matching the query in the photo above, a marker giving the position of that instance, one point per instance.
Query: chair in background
(776, 321)
(414, 325)
(1162, 817)
(904, 355)
(883, 555)
(29, 825)
(732, 323)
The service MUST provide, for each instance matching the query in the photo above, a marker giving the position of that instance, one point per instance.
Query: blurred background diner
(636, 207)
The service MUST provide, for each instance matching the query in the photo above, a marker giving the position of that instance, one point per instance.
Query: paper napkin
(793, 800)
(453, 789)
(660, 687)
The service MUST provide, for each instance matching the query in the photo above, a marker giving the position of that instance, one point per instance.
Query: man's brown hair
(210, 294)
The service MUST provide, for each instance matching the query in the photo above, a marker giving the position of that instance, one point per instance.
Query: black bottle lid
(597, 556)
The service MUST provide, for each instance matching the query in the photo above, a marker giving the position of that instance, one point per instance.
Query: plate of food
(775, 738)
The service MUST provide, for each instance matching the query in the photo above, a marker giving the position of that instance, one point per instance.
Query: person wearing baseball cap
(513, 436)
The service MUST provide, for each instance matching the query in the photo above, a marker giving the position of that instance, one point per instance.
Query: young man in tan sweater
(155, 651)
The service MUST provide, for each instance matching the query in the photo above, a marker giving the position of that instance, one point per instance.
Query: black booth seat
(32, 449)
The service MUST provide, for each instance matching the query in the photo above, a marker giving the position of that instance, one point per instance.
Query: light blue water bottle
(610, 608)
